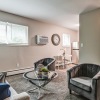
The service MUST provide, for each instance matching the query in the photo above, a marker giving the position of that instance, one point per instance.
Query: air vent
(42, 40)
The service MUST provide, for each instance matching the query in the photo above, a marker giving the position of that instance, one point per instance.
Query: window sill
(14, 45)
(67, 46)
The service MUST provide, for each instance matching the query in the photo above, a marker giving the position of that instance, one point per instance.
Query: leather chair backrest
(89, 70)
(44, 61)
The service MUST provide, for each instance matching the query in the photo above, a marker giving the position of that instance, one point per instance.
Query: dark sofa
(85, 80)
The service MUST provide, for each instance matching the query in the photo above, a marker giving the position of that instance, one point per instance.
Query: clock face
(55, 39)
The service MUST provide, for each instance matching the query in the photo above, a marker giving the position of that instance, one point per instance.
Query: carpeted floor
(58, 86)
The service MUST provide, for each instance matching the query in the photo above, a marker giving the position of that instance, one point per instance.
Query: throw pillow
(4, 91)
(3, 86)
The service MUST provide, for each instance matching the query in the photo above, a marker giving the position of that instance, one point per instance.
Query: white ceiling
(59, 12)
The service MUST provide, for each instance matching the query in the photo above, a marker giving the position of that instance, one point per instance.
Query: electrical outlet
(17, 64)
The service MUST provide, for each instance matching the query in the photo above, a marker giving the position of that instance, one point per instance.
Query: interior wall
(90, 37)
(25, 56)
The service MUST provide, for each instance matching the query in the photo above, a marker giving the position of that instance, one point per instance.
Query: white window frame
(12, 43)
(66, 40)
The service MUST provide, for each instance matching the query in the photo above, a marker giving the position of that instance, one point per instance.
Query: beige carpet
(58, 87)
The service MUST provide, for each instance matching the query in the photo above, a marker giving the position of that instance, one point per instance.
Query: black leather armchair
(85, 80)
(48, 62)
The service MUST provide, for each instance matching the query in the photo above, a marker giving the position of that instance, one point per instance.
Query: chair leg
(57, 67)
(70, 91)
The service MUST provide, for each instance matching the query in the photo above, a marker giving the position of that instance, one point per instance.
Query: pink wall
(25, 56)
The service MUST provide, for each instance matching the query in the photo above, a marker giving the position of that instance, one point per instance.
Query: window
(75, 45)
(66, 40)
(13, 33)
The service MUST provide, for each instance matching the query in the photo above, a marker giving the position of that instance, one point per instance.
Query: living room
(69, 34)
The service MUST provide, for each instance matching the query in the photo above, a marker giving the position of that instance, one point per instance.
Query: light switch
(81, 44)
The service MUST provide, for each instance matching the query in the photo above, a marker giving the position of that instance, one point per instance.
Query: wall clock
(55, 39)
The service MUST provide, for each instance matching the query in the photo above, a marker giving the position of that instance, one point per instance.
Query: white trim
(13, 72)
(13, 45)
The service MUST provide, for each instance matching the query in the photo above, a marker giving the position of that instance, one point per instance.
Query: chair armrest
(51, 63)
(74, 71)
(37, 63)
(71, 69)
(51, 66)
(97, 76)
(21, 96)
(96, 85)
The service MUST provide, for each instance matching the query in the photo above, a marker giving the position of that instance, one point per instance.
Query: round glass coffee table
(40, 83)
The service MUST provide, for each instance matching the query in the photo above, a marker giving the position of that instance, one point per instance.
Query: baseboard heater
(19, 71)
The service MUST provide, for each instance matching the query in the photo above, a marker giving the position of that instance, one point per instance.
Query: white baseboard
(13, 72)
